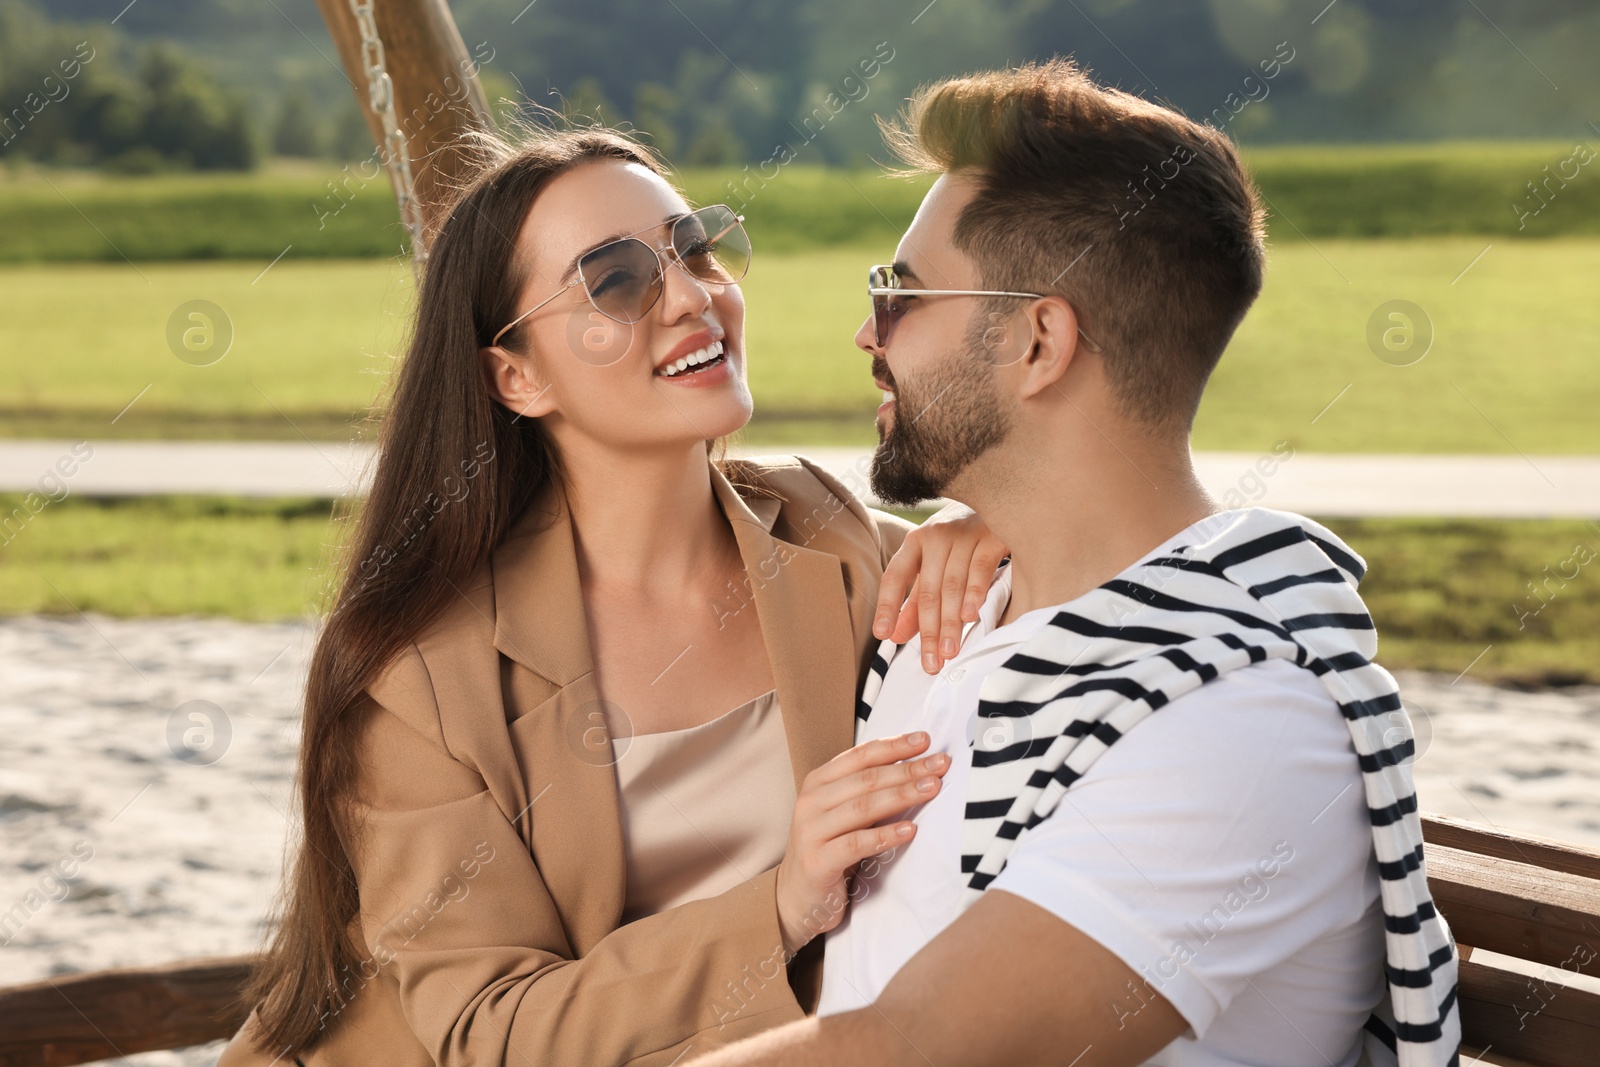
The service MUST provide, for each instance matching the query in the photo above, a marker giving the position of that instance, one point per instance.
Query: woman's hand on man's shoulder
(936, 583)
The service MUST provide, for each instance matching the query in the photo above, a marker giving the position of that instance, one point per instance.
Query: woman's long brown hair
(440, 423)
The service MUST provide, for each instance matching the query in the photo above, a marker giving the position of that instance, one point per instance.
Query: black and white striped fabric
(1243, 587)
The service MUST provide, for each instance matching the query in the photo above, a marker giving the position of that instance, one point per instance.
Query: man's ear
(514, 382)
(1056, 343)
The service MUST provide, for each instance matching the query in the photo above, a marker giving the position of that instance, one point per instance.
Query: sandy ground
(150, 761)
(185, 854)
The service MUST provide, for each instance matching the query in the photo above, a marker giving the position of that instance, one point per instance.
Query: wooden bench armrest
(1444, 831)
(85, 1017)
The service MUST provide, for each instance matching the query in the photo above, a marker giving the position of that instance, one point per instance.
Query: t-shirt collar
(987, 629)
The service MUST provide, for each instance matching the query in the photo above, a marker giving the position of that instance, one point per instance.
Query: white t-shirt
(1221, 849)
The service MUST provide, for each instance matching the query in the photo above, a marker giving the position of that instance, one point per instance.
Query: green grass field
(312, 345)
(1511, 363)
(1313, 192)
(1441, 591)
(248, 559)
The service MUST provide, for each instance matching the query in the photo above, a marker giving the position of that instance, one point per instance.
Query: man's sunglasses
(624, 278)
(883, 285)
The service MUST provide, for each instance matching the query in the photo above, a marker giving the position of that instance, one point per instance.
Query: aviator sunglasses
(624, 278)
(883, 285)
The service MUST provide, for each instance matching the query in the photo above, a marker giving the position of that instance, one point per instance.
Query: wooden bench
(1535, 900)
(81, 1018)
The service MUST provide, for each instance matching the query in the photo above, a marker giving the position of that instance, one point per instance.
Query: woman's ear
(514, 383)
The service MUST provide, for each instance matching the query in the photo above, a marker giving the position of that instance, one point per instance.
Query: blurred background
(200, 258)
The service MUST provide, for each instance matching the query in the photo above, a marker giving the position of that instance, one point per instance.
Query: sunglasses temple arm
(496, 339)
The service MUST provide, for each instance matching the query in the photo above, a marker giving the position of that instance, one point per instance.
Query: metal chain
(397, 158)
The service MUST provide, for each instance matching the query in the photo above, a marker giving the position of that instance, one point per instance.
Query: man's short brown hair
(1144, 221)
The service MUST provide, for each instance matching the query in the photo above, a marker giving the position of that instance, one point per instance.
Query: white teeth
(693, 359)
(887, 396)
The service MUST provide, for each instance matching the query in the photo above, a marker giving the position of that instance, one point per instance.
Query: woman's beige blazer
(490, 855)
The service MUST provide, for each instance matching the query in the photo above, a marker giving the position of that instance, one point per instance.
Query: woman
(533, 829)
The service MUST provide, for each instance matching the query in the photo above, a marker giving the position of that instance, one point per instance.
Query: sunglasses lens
(623, 279)
(712, 245)
(885, 308)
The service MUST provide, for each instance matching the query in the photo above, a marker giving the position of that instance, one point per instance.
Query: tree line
(209, 83)
(86, 95)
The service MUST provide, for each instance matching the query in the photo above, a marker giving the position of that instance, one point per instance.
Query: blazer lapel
(799, 596)
(567, 807)
(539, 617)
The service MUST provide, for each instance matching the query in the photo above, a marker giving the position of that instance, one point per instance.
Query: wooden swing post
(434, 97)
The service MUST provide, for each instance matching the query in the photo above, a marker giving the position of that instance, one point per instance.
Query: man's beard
(943, 421)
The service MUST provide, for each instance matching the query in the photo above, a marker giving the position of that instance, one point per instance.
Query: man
(1177, 780)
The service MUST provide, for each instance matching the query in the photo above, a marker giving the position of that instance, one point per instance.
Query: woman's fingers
(905, 624)
(819, 798)
(894, 589)
(847, 850)
(867, 809)
(955, 592)
(986, 557)
(885, 750)
(867, 797)
(931, 598)
(957, 560)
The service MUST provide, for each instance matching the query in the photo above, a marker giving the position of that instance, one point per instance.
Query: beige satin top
(704, 809)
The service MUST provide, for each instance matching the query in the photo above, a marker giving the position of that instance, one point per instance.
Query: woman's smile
(700, 359)
(714, 370)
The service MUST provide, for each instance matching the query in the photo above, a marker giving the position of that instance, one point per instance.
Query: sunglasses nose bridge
(666, 258)
(670, 257)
